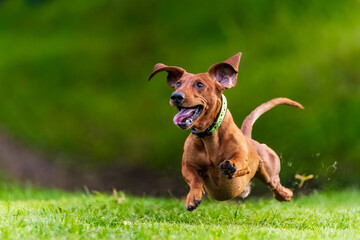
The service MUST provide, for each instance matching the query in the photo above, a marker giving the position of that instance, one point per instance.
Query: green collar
(216, 125)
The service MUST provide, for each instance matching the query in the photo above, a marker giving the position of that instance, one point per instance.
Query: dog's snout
(177, 97)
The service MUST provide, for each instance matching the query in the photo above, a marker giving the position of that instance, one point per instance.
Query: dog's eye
(199, 84)
(178, 84)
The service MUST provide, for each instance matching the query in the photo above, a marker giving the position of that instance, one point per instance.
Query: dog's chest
(220, 187)
(207, 161)
(217, 184)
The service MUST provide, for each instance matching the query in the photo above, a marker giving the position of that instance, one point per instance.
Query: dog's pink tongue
(182, 114)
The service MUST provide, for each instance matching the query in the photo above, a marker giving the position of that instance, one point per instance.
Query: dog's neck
(218, 116)
(212, 143)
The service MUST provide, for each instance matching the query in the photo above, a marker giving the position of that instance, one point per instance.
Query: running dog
(218, 156)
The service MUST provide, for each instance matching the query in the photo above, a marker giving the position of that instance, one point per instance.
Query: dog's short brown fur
(225, 162)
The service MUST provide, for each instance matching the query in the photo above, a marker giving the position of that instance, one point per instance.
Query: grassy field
(28, 213)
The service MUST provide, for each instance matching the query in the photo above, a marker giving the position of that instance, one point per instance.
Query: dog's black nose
(177, 97)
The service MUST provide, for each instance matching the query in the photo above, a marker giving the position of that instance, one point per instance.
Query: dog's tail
(249, 121)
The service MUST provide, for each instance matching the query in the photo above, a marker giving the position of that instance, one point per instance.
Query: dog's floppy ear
(174, 73)
(226, 72)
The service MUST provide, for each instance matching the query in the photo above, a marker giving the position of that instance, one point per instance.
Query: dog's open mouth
(186, 116)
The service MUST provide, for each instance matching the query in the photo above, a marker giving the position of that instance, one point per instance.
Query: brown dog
(217, 154)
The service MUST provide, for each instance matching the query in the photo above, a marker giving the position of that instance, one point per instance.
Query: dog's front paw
(227, 168)
(193, 199)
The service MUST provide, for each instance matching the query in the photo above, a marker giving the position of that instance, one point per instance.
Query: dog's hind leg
(268, 173)
(246, 191)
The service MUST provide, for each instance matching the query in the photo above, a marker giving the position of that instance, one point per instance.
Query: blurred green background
(73, 82)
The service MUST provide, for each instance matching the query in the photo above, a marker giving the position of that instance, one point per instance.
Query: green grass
(48, 214)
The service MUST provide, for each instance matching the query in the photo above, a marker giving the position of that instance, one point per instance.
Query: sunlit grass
(42, 214)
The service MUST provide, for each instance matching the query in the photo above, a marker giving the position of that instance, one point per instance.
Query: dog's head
(198, 96)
